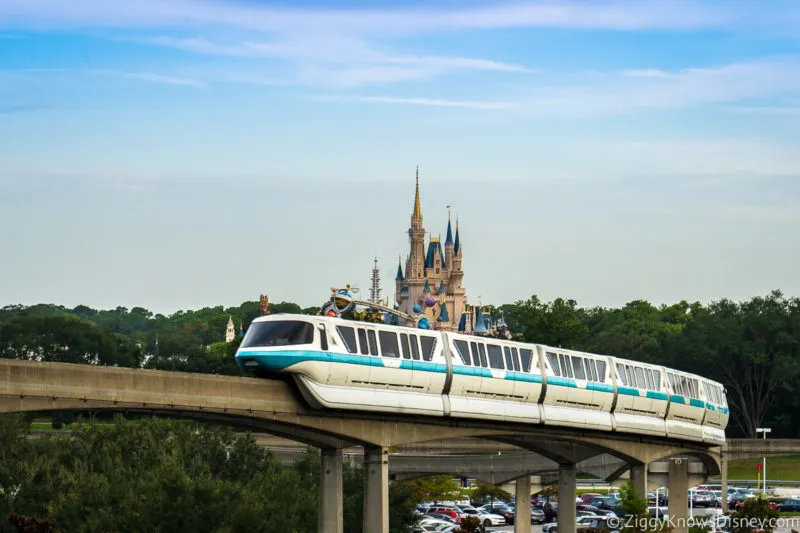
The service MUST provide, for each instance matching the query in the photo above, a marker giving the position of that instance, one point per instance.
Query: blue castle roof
(399, 276)
(449, 238)
(427, 288)
(429, 258)
(462, 324)
(441, 287)
(480, 322)
(443, 314)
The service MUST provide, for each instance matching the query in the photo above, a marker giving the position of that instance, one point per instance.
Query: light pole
(764, 464)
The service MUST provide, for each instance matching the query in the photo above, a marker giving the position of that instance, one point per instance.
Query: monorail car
(342, 364)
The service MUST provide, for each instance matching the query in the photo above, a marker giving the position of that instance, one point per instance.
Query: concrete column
(522, 510)
(639, 479)
(678, 485)
(330, 492)
(566, 499)
(376, 490)
(724, 477)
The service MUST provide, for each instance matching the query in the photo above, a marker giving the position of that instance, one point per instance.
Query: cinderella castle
(432, 281)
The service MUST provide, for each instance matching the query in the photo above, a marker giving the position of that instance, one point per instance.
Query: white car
(553, 526)
(487, 519)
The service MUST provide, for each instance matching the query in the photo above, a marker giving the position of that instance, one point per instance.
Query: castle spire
(457, 246)
(417, 216)
(399, 276)
(449, 238)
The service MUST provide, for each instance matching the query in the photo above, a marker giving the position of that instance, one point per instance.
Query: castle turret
(230, 332)
(415, 269)
(449, 247)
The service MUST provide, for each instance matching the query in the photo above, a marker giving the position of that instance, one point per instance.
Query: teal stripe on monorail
(601, 387)
(677, 399)
(562, 382)
(281, 360)
(697, 403)
(472, 371)
(423, 365)
(521, 376)
(723, 410)
(710, 407)
(655, 395)
(629, 391)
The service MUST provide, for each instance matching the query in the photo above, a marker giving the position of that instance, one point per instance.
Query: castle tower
(230, 331)
(433, 272)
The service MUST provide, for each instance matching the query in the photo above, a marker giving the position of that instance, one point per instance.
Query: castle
(434, 275)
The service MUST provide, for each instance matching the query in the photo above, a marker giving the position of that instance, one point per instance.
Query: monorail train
(342, 364)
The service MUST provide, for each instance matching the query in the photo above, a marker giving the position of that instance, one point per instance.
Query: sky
(181, 154)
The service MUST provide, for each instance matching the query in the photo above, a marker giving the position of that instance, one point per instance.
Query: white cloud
(604, 14)
(439, 102)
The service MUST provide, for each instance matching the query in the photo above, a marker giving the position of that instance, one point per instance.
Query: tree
(470, 524)
(487, 491)
(434, 489)
(755, 511)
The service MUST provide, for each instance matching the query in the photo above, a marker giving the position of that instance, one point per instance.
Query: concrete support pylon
(678, 486)
(330, 492)
(723, 467)
(522, 509)
(566, 498)
(639, 479)
(376, 489)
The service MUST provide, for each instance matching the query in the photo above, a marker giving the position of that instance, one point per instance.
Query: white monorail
(342, 364)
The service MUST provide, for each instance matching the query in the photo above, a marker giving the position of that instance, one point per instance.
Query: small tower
(230, 332)
(375, 284)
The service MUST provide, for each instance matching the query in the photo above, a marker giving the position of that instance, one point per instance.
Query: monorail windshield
(278, 333)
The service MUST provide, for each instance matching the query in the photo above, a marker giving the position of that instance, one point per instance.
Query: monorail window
(553, 360)
(515, 360)
(428, 344)
(525, 359)
(362, 341)
(631, 376)
(509, 360)
(373, 342)
(278, 333)
(476, 360)
(348, 335)
(482, 350)
(590, 370)
(648, 374)
(414, 347)
(323, 339)
(495, 356)
(657, 379)
(463, 351)
(640, 377)
(622, 375)
(577, 367)
(601, 371)
(566, 368)
(389, 346)
(404, 346)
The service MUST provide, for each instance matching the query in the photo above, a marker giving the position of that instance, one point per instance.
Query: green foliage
(755, 511)
(434, 489)
(751, 347)
(161, 475)
(484, 492)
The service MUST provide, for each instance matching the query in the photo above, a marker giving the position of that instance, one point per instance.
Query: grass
(786, 468)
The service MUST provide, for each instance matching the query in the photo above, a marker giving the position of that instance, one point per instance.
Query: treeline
(166, 475)
(752, 347)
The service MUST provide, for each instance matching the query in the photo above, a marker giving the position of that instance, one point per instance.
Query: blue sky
(187, 153)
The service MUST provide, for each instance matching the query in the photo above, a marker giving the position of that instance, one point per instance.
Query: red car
(589, 496)
(772, 505)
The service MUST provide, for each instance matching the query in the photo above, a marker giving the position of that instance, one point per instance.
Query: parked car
(500, 509)
(702, 498)
(790, 505)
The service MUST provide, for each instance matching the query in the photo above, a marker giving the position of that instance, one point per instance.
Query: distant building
(436, 273)
(230, 331)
